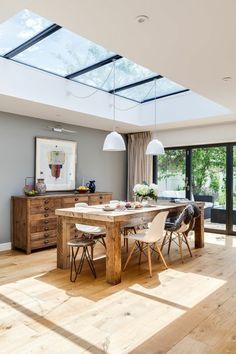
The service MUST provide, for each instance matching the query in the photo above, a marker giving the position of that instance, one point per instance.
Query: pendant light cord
(155, 107)
(114, 96)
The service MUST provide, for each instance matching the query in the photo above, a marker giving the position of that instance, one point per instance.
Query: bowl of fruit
(30, 192)
(82, 189)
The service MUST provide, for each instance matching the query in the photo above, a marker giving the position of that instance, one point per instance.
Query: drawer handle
(46, 222)
(76, 199)
(47, 208)
(101, 197)
(46, 215)
(46, 235)
(46, 228)
(46, 241)
(46, 201)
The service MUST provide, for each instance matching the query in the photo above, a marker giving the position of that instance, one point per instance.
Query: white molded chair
(153, 236)
(95, 233)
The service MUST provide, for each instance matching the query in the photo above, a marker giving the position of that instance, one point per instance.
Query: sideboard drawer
(71, 201)
(99, 199)
(43, 235)
(43, 225)
(43, 242)
(45, 209)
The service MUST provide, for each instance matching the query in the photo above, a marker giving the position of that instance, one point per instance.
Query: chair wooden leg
(149, 260)
(170, 239)
(186, 240)
(128, 259)
(180, 247)
(161, 255)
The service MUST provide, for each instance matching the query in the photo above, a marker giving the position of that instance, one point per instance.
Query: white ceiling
(191, 42)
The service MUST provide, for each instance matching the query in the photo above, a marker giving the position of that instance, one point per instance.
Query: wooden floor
(189, 308)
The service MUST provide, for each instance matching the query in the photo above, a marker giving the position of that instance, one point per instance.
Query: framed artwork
(55, 161)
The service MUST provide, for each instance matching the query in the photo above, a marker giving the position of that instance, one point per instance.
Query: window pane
(20, 28)
(63, 53)
(127, 73)
(171, 174)
(147, 91)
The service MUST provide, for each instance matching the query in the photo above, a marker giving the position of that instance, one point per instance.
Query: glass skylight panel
(63, 53)
(146, 91)
(127, 72)
(20, 28)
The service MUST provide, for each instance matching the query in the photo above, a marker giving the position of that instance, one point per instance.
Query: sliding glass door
(202, 173)
(234, 191)
(209, 184)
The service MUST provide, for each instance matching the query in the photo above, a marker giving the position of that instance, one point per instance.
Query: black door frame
(229, 179)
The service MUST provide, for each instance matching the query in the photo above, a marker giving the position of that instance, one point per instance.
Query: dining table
(114, 221)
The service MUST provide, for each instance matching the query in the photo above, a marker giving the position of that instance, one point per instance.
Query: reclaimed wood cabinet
(34, 223)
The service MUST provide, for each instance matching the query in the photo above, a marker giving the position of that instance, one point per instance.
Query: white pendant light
(114, 141)
(155, 147)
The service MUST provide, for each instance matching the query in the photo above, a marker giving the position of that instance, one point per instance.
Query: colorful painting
(56, 163)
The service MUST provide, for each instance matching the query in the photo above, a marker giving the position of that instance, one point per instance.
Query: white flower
(155, 188)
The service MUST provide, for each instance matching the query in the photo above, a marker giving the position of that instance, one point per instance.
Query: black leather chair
(178, 230)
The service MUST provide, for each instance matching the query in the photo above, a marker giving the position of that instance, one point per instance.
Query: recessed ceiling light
(227, 78)
(142, 18)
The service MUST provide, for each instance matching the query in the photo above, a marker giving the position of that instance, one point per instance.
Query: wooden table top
(97, 212)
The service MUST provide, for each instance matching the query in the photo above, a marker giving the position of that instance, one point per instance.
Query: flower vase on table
(147, 193)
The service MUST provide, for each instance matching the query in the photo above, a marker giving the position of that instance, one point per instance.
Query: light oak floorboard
(188, 308)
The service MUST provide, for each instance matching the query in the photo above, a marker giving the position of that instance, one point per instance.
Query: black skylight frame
(52, 29)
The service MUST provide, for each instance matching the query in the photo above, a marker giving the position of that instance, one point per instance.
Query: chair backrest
(156, 230)
(81, 205)
(184, 219)
(196, 214)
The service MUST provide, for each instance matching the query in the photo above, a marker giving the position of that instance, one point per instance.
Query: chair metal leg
(164, 241)
(90, 262)
(186, 241)
(161, 255)
(149, 260)
(180, 247)
(103, 242)
(128, 259)
(140, 253)
(73, 263)
(91, 250)
(170, 239)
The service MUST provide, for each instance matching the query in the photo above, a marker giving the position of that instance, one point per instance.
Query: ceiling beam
(167, 95)
(157, 77)
(93, 67)
(44, 34)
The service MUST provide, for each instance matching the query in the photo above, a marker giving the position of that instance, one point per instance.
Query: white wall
(199, 135)
(17, 158)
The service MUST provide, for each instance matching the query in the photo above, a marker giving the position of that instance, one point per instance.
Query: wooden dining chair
(151, 237)
(95, 233)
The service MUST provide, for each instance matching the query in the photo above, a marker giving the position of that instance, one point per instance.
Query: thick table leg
(113, 259)
(63, 236)
(199, 230)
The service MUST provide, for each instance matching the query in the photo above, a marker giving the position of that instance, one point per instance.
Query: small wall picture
(56, 162)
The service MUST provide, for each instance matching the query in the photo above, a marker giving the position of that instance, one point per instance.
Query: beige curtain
(139, 164)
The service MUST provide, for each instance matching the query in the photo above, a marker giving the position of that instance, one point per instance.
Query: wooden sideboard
(34, 223)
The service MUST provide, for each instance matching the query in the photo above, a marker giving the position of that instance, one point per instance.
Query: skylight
(20, 28)
(32, 40)
(63, 53)
(146, 91)
(127, 72)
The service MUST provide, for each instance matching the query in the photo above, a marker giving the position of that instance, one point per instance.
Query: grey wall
(17, 156)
